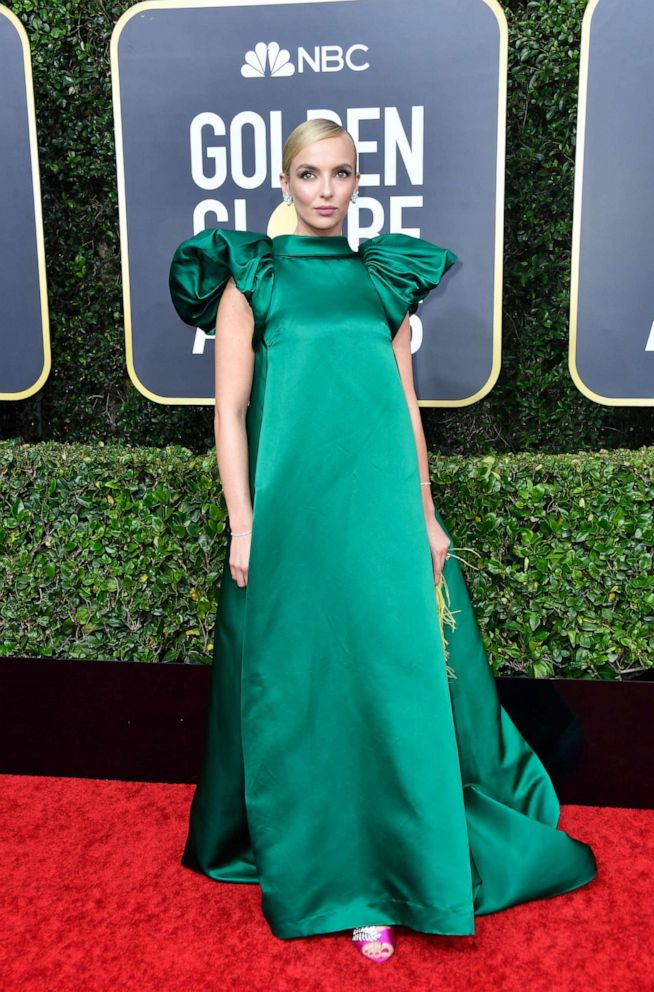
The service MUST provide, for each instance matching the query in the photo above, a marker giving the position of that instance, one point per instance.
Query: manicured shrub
(112, 552)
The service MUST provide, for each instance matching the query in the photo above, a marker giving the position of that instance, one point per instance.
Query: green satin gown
(343, 771)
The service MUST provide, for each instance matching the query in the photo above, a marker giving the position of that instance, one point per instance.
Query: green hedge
(89, 396)
(115, 552)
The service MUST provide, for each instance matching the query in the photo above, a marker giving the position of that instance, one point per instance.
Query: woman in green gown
(346, 770)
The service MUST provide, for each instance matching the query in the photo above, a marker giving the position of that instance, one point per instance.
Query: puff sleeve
(201, 267)
(404, 270)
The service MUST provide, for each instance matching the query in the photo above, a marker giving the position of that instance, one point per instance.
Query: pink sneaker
(375, 942)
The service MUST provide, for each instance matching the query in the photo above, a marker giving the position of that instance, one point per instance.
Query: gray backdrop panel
(616, 284)
(21, 329)
(175, 63)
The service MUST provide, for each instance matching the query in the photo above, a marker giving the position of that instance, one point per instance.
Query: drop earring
(288, 199)
(354, 196)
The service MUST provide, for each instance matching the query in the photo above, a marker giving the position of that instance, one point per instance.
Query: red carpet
(94, 900)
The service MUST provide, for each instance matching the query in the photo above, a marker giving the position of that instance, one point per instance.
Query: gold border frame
(38, 215)
(576, 227)
(122, 203)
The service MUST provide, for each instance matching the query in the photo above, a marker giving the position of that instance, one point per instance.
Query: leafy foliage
(562, 571)
(108, 551)
(89, 397)
(115, 552)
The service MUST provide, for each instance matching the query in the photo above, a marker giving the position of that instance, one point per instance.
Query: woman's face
(321, 181)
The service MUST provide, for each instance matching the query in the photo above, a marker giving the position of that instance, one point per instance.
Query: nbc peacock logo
(267, 60)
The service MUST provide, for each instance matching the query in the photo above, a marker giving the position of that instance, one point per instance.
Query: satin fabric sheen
(343, 771)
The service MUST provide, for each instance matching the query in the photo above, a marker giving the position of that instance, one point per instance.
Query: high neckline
(311, 244)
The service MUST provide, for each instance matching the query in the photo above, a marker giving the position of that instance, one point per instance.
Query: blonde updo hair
(306, 133)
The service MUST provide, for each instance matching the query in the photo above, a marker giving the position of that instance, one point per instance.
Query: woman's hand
(439, 545)
(239, 559)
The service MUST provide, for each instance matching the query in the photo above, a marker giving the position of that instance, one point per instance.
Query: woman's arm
(439, 541)
(234, 366)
